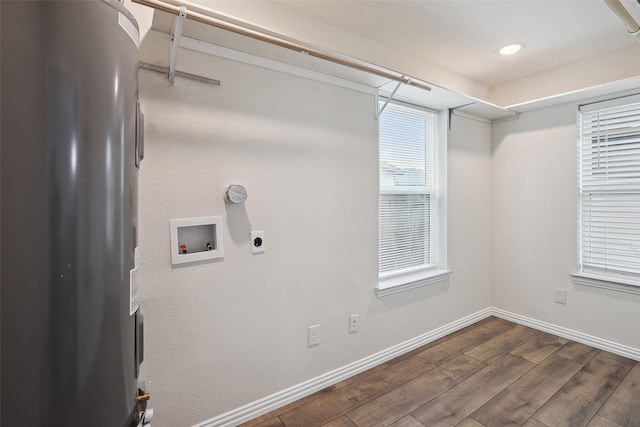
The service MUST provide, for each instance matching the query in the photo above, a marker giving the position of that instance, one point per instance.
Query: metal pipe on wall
(237, 29)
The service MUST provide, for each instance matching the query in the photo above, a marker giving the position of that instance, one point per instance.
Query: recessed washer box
(196, 239)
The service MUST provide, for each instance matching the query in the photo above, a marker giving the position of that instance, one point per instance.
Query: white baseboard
(281, 398)
(599, 343)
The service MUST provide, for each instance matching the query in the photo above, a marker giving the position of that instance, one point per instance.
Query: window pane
(405, 235)
(610, 191)
(406, 147)
(407, 142)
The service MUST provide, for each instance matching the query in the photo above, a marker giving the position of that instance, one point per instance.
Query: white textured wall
(469, 224)
(225, 333)
(534, 247)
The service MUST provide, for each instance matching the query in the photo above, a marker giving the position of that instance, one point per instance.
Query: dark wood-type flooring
(492, 373)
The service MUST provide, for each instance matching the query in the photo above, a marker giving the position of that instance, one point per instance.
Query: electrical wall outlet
(354, 322)
(257, 242)
(314, 335)
(561, 296)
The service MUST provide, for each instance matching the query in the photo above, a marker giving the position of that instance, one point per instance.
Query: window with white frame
(609, 190)
(408, 213)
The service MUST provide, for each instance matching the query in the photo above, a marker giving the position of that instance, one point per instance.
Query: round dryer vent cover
(235, 194)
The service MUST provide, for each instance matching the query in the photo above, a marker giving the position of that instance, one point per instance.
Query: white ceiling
(572, 48)
(463, 36)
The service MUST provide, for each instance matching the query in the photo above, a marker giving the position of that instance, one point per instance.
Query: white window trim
(587, 278)
(595, 281)
(395, 282)
(404, 280)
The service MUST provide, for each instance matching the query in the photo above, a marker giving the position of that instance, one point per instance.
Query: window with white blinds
(406, 208)
(609, 177)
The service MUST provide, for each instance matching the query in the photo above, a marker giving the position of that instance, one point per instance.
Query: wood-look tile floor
(492, 373)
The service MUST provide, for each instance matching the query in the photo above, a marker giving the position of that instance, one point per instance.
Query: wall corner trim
(281, 398)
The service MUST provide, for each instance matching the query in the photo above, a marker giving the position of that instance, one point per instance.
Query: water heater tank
(71, 335)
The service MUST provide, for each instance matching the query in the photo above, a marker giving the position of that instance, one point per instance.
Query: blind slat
(407, 144)
(609, 174)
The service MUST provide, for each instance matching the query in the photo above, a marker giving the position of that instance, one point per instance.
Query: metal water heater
(71, 145)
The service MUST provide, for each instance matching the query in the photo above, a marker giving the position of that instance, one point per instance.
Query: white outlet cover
(354, 322)
(561, 296)
(314, 335)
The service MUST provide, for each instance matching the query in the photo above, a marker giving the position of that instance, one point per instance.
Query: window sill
(595, 281)
(410, 281)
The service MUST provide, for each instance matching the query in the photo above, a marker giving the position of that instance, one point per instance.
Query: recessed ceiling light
(510, 49)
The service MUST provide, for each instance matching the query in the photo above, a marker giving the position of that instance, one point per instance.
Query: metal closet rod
(627, 19)
(214, 22)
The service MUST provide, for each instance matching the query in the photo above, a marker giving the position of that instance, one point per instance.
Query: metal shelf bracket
(175, 41)
(391, 96)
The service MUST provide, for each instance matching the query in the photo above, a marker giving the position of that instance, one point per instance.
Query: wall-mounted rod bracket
(175, 41)
(452, 109)
(633, 27)
(389, 98)
(177, 73)
(214, 19)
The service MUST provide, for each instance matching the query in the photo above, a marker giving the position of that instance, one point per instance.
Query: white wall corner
(599, 343)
